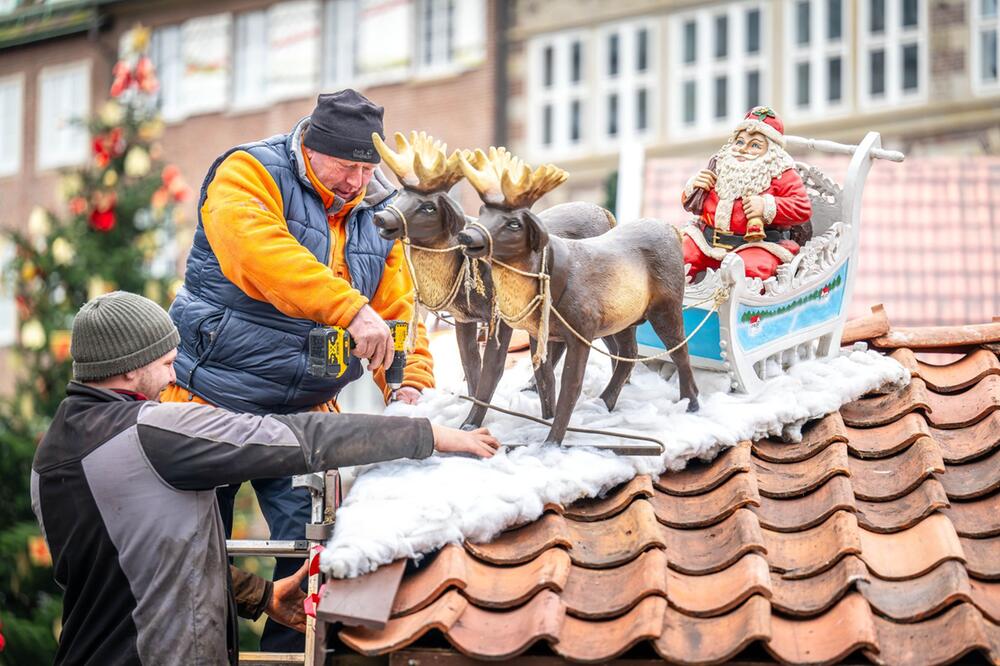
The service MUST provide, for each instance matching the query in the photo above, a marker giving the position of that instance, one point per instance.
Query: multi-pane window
(193, 65)
(718, 55)
(63, 106)
(557, 77)
(293, 49)
(985, 44)
(627, 80)
(819, 57)
(250, 59)
(11, 124)
(892, 61)
(436, 27)
(165, 51)
(339, 46)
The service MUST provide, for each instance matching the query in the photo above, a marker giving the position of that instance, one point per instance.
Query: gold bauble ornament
(33, 335)
(112, 113)
(137, 162)
(110, 178)
(63, 251)
(98, 286)
(38, 222)
(70, 185)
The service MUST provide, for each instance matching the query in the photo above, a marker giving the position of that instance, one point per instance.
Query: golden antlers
(502, 179)
(420, 162)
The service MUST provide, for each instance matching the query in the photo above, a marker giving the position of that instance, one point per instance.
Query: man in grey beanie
(124, 490)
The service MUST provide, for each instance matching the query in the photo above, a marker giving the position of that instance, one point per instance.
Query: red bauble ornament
(123, 78)
(102, 220)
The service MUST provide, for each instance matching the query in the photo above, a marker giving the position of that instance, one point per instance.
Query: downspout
(501, 22)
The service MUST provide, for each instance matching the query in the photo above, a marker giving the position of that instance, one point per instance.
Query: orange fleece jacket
(244, 223)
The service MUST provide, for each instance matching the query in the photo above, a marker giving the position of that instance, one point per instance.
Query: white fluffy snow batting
(411, 507)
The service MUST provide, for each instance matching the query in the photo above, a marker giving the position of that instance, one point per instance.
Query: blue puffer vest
(244, 354)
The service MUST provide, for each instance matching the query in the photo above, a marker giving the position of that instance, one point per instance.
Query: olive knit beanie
(117, 333)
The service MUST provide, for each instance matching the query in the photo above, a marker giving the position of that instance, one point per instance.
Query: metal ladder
(324, 492)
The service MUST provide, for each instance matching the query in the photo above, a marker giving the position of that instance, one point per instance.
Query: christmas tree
(114, 233)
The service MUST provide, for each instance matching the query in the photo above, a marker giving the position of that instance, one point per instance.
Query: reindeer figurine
(575, 291)
(429, 220)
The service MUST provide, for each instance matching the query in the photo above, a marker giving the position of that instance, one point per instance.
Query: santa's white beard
(736, 179)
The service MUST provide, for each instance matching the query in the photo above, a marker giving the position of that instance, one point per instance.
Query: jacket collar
(75, 388)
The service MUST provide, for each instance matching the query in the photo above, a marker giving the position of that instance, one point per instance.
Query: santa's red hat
(762, 119)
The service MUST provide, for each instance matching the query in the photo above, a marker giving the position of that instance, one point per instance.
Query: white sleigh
(761, 328)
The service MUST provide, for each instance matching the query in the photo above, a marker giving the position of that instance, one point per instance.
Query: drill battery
(330, 352)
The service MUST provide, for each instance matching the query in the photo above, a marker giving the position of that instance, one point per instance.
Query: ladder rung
(264, 658)
(267, 548)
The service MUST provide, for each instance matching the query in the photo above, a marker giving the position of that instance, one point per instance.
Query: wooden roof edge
(875, 329)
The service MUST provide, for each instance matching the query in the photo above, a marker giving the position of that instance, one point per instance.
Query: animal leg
(493, 366)
(569, 392)
(626, 346)
(668, 322)
(556, 350)
(468, 351)
(545, 382)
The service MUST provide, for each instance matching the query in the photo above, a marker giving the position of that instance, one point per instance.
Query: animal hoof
(693, 405)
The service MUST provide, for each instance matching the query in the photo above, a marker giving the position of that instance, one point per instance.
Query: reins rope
(543, 299)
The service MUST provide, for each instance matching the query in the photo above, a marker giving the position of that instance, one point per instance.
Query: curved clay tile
(524, 543)
(905, 512)
(918, 598)
(418, 590)
(800, 513)
(604, 593)
(485, 634)
(505, 587)
(971, 442)
(827, 638)
(614, 503)
(779, 480)
(888, 439)
(882, 409)
(815, 438)
(982, 557)
(699, 477)
(964, 409)
(976, 519)
(986, 597)
(719, 593)
(714, 548)
(884, 479)
(973, 479)
(912, 552)
(813, 551)
(620, 539)
(586, 640)
(692, 640)
(953, 377)
(940, 640)
(805, 597)
(400, 632)
(688, 511)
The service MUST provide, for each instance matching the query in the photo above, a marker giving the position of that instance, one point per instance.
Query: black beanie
(341, 126)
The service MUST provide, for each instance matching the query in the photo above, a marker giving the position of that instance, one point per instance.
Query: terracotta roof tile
(800, 513)
(806, 597)
(779, 480)
(884, 479)
(877, 534)
(691, 640)
(904, 512)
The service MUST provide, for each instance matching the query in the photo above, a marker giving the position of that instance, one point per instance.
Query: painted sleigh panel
(760, 328)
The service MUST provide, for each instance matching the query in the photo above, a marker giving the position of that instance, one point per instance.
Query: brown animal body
(430, 219)
(603, 287)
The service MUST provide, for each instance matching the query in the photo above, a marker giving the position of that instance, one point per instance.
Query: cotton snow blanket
(411, 507)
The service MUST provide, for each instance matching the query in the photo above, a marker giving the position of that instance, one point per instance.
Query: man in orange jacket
(285, 242)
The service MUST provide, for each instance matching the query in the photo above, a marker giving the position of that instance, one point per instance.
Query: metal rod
(825, 146)
(266, 548)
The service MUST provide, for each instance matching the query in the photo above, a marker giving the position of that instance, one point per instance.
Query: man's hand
(479, 443)
(705, 180)
(753, 207)
(285, 606)
(372, 338)
(406, 394)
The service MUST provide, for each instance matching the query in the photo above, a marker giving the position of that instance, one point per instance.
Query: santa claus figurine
(747, 201)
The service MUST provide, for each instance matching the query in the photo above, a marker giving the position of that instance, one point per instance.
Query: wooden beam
(939, 338)
(865, 328)
(365, 601)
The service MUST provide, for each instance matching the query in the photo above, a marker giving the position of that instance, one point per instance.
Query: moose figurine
(427, 218)
(575, 290)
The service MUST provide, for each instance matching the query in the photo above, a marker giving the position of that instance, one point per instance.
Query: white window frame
(11, 157)
(817, 53)
(47, 157)
(560, 96)
(892, 41)
(627, 83)
(340, 21)
(249, 66)
(169, 70)
(978, 24)
(706, 67)
(442, 57)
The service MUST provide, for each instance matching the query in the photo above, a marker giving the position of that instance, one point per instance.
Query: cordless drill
(330, 352)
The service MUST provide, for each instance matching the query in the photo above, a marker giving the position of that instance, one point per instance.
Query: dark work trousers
(286, 510)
